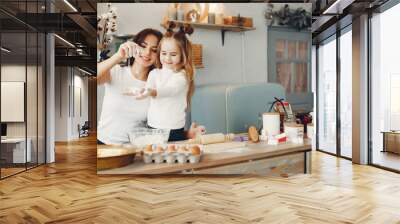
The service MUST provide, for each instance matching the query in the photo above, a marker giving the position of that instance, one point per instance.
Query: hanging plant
(106, 27)
(295, 18)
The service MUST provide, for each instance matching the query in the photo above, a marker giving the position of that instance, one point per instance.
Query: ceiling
(76, 23)
(22, 20)
(333, 14)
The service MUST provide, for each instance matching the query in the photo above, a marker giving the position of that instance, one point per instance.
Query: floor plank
(386, 159)
(69, 191)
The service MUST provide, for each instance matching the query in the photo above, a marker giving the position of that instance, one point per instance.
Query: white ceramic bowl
(141, 137)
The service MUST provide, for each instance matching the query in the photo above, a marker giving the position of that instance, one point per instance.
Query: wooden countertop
(106, 151)
(252, 151)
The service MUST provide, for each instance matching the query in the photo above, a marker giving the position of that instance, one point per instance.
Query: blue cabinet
(289, 64)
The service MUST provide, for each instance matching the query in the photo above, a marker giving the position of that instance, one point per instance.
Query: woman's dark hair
(141, 36)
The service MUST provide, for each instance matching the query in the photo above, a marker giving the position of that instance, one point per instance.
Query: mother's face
(148, 52)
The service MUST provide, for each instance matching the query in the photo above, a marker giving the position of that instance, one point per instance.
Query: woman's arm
(104, 67)
(125, 50)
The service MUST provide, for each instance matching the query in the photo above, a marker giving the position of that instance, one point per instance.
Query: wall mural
(297, 18)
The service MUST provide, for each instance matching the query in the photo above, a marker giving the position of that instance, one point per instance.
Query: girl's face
(147, 51)
(170, 54)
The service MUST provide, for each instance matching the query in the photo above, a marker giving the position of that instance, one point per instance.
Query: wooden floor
(10, 171)
(387, 159)
(69, 191)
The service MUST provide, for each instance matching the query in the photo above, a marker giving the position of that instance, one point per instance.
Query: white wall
(67, 80)
(33, 126)
(16, 72)
(243, 58)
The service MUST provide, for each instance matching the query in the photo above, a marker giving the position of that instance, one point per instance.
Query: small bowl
(140, 137)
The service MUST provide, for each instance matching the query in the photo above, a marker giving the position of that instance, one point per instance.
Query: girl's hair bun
(185, 29)
(170, 27)
(188, 29)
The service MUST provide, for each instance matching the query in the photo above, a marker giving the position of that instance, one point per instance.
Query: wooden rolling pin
(213, 138)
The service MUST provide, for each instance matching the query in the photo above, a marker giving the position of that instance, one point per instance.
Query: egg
(171, 148)
(148, 149)
(182, 149)
(159, 149)
(195, 150)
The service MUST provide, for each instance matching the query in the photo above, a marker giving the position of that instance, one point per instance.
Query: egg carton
(170, 157)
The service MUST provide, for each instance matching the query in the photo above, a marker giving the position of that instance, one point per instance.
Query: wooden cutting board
(109, 157)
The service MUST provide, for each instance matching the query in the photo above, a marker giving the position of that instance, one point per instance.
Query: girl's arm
(180, 85)
(149, 89)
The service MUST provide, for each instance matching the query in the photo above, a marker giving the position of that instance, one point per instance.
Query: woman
(120, 112)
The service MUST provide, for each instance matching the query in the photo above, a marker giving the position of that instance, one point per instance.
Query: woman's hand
(127, 50)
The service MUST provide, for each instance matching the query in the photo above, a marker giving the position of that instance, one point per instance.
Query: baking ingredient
(171, 148)
(159, 149)
(253, 134)
(195, 150)
(148, 149)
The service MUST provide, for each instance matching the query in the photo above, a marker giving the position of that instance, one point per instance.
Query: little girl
(171, 85)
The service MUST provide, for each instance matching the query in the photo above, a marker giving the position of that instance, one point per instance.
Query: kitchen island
(243, 158)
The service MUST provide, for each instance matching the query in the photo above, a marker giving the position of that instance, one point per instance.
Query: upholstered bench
(232, 108)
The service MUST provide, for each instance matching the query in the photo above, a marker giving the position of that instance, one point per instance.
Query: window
(327, 96)
(346, 93)
(385, 88)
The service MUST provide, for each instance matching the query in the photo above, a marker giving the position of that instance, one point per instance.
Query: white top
(167, 109)
(121, 114)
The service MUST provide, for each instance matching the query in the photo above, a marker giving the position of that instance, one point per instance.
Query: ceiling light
(338, 6)
(70, 5)
(64, 40)
(328, 10)
(5, 50)
(86, 72)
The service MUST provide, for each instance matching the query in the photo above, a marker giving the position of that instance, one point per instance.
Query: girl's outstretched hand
(131, 91)
(144, 93)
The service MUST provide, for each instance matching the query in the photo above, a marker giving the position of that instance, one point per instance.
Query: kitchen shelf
(222, 28)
